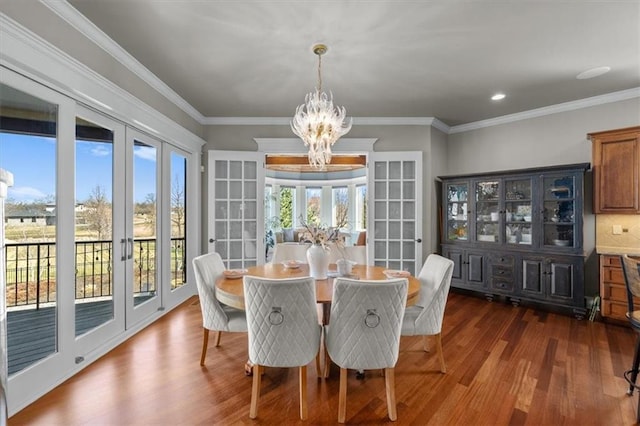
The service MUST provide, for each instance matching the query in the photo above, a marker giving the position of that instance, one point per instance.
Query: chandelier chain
(319, 72)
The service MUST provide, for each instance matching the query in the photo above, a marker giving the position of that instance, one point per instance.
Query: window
(314, 202)
(287, 196)
(340, 206)
(361, 207)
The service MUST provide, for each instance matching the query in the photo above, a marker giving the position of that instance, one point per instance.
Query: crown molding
(78, 21)
(548, 110)
(295, 145)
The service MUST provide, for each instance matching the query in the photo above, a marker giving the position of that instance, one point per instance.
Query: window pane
(340, 207)
(314, 200)
(178, 220)
(28, 143)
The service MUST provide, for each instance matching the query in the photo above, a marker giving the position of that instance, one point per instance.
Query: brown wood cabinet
(616, 168)
(613, 291)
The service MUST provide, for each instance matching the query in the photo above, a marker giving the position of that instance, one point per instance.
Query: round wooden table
(230, 291)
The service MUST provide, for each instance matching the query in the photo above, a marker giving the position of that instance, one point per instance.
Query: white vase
(318, 260)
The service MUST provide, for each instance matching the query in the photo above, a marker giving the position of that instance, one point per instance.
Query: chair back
(631, 270)
(357, 254)
(366, 316)
(282, 321)
(435, 282)
(208, 268)
(289, 251)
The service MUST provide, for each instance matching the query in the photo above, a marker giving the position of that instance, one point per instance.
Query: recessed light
(498, 97)
(593, 72)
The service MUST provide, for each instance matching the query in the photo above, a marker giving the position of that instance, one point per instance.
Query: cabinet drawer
(501, 284)
(502, 259)
(608, 260)
(613, 275)
(502, 272)
(614, 292)
(615, 310)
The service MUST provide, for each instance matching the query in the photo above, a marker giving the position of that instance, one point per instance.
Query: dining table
(229, 287)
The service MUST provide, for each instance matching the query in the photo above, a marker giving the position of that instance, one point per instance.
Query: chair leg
(303, 392)
(342, 396)
(634, 368)
(218, 335)
(205, 342)
(327, 363)
(443, 367)
(390, 385)
(425, 342)
(255, 391)
(319, 370)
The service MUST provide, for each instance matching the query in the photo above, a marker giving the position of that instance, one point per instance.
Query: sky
(31, 159)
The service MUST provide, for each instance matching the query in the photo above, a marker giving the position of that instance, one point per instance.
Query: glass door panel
(559, 219)
(487, 210)
(100, 255)
(94, 226)
(145, 229)
(178, 214)
(143, 221)
(457, 211)
(518, 214)
(28, 142)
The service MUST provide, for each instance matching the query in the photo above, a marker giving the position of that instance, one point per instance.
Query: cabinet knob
(211, 240)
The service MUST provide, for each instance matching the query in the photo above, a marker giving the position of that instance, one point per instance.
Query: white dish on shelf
(561, 243)
(490, 238)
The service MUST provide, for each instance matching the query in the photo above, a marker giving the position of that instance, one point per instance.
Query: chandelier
(317, 122)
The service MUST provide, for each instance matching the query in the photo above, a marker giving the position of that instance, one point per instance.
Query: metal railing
(31, 270)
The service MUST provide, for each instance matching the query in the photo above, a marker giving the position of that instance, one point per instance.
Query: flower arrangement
(320, 234)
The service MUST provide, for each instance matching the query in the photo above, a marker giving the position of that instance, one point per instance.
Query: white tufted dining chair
(364, 332)
(283, 329)
(290, 251)
(215, 316)
(425, 317)
(357, 254)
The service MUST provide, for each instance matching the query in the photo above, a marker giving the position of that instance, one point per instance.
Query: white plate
(234, 273)
(291, 264)
(394, 273)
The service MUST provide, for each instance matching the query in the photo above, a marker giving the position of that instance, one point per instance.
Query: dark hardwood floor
(506, 366)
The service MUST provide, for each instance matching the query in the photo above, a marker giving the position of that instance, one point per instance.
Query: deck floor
(31, 333)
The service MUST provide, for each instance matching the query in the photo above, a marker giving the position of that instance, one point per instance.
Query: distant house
(29, 217)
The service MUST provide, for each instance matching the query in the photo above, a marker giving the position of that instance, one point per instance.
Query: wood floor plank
(505, 366)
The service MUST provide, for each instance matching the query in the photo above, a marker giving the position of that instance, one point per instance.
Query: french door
(395, 182)
(103, 244)
(236, 207)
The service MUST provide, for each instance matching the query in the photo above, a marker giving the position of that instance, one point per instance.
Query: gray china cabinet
(518, 234)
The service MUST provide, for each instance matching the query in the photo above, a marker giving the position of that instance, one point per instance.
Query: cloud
(145, 152)
(25, 193)
(100, 151)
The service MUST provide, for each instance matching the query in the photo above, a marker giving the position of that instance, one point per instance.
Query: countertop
(618, 250)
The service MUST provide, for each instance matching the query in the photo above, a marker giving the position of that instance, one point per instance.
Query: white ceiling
(441, 59)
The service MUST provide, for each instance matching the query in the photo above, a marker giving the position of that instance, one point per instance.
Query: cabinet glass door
(517, 208)
(559, 204)
(487, 210)
(457, 211)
